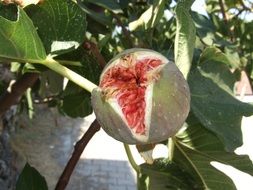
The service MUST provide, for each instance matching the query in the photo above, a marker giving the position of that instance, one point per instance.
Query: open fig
(142, 97)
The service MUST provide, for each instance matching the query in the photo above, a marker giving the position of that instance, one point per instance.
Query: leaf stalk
(131, 158)
(69, 74)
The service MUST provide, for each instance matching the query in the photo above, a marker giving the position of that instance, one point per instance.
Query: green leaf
(108, 4)
(30, 179)
(19, 39)
(214, 54)
(61, 24)
(150, 17)
(99, 17)
(124, 3)
(212, 100)
(207, 31)
(164, 175)
(233, 56)
(89, 68)
(205, 28)
(195, 150)
(77, 105)
(95, 27)
(185, 37)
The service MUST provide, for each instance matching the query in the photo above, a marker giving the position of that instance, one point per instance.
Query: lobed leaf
(61, 24)
(212, 99)
(18, 36)
(197, 147)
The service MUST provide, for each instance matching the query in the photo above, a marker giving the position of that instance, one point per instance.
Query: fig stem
(69, 74)
(171, 147)
(131, 158)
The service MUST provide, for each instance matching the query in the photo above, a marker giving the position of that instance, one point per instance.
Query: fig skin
(170, 106)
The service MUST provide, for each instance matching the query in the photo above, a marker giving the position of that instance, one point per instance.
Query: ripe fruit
(143, 98)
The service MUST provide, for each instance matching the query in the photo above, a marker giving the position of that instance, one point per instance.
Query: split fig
(142, 97)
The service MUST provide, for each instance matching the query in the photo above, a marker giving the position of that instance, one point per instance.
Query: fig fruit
(142, 97)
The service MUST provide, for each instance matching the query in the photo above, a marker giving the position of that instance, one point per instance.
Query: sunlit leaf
(185, 37)
(150, 17)
(61, 24)
(212, 100)
(214, 54)
(18, 36)
(197, 148)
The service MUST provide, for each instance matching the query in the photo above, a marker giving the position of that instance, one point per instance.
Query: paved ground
(103, 165)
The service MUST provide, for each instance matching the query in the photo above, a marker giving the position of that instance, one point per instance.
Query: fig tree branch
(244, 6)
(79, 147)
(223, 12)
(124, 29)
(225, 17)
(17, 90)
(95, 52)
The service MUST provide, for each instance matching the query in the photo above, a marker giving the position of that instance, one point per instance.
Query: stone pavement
(104, 165)
(47, 147)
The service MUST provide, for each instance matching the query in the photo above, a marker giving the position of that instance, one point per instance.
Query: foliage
(210, 51)
(31, 179)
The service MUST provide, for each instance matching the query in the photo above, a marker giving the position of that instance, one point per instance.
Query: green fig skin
(170, 104)
(170, 107)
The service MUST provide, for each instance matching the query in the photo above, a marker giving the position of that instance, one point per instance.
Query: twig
(244, 6)
(124, 30)
(239, 12)
(79, 147)
(223, 12)
(17, 90)
(225, 17)
(95, 52)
